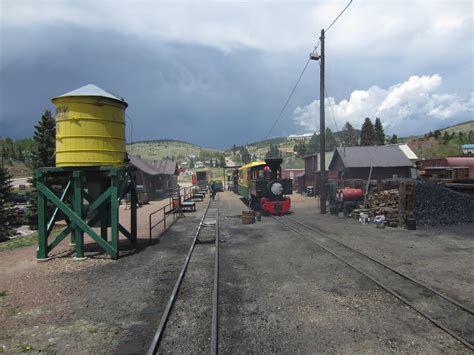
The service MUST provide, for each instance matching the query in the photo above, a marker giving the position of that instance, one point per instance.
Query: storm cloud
(218, 73)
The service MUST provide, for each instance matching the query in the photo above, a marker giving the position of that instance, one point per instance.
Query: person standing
(213, 190)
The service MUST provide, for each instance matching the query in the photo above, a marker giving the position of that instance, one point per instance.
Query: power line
(301, 75)
(332, 23)
(288, 99)
(291, 93)
(330, 107)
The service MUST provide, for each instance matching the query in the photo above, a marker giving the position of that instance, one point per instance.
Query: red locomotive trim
(275, 207)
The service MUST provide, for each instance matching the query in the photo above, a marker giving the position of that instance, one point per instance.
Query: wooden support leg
(114, 213)
(103, 227)
(133, 215)
(42, 251)
(77, 207)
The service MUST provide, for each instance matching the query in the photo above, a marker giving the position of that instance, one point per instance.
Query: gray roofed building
(142, 165)
(156, 176)
(375, 156)
(385, 161)
(165, 166)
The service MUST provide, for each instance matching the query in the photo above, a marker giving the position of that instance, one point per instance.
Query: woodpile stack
(381, 203)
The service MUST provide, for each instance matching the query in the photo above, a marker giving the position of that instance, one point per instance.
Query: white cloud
(380, 26)
(400, 103)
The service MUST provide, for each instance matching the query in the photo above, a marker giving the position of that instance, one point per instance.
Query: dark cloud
(189, 92)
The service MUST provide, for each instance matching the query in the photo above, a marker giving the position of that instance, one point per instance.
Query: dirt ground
(278, 294)
(91, 306)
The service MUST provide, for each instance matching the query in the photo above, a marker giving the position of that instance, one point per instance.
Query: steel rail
(391, 268)
(164, 318)
(215, 292)
(382, 285)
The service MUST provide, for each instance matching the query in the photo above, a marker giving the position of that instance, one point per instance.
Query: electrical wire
(301, 75)
(331, 108)
(291, 93)
(332, 23)
(288, 99)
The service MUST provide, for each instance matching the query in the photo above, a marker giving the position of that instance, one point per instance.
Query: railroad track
(207, 229)
(449, 315)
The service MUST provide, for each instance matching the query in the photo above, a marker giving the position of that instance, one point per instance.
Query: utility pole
(322, 131)
(322, 127)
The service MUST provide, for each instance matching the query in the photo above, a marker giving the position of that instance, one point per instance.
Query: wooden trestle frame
(117, 182)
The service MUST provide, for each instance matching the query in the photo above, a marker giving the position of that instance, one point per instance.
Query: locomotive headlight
(276, 188)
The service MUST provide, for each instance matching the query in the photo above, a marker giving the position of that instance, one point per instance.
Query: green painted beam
(52, 221)
(76, 220)
(60, 237)
(125, 232)
(42, 251)
(77, 203)
(100, 200)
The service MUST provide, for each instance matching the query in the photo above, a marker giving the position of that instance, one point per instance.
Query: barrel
(90, 128)
(248, 217)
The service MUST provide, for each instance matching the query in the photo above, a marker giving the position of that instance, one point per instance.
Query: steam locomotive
(261, 184)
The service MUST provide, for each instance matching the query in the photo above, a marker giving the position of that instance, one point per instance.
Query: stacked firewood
(381, 203)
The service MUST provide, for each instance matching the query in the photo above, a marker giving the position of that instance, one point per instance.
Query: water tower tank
(90, 128)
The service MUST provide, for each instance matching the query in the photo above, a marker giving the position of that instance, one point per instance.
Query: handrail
(186, 193)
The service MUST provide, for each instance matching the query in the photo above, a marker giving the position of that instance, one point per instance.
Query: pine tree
(330, 142)
(222, 160)
(367, 133)
(245, 155)
(446, 137)
(313, 145)
(300, 149)
(379, 132)
(21, 156)
(4, 154)
(349, 135)
(44, 155)
(6, 189)
(394, 139)
(273, 152)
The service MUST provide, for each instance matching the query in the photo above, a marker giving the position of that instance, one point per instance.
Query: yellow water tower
(90, 128)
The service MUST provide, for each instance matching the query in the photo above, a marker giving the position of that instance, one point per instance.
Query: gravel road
(279, 294)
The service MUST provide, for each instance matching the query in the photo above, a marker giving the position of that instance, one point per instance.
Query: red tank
(349, 194)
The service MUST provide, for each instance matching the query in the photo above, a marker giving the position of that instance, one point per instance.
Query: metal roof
(165, 166)
(410, 154)
(154, 167)
(92, 90)
(468, 146)
(142, 165)
(375, 156)
(252, 164)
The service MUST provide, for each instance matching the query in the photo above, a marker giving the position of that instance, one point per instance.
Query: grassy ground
(160, 149)
(26, 241)
(18, 169)
(19, 242)
(434, 148)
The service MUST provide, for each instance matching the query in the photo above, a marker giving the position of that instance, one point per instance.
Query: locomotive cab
(268, 181)
(261, 183)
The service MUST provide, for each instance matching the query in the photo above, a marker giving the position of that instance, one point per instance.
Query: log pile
(381, 203)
